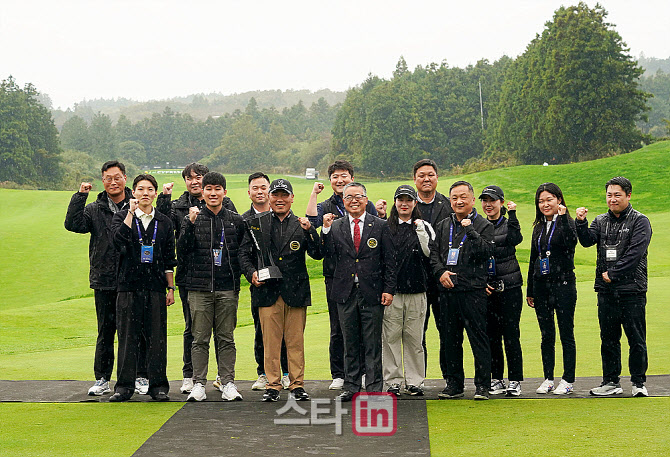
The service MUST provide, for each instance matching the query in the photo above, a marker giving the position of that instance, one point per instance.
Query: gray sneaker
(514, 389)
(605, 389)
(100, 387)
(497, 387)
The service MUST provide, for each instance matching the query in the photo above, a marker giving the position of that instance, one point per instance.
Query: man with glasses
(177, 211)
(96, 218)
(364, 282)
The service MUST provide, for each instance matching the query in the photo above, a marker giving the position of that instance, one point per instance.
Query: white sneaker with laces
(563, 388)
(285, 381)
(197, 393)
(337, 384)
(217, 383)
(545, 387)
(260, 383)
(100, 387)
(639, 390)
(514, 389)
(186, 385)
(230, 393)
(497, 387)
(141, 386)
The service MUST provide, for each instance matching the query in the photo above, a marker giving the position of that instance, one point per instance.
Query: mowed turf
(48, 331)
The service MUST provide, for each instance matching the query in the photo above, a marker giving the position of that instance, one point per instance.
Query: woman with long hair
(402, 333)
(505, 298)
(552, 287)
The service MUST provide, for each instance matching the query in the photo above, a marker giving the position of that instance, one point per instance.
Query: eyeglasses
(117, 179)
(357, 197)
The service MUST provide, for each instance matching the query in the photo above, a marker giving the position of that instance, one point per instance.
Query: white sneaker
(230, 393)
(563, 388)
(639, 390)
(197, 393)
(337, 384)
(285, 381)
(260, 383)
(545, 387)
(186, 385)
(497, 387)
(142, 386)
(217, 383)
(100, 387)
(514, 389)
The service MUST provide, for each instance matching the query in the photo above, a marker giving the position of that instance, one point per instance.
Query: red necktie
(357, 234)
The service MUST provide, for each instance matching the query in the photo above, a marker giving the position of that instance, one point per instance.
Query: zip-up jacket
(630, 235)
(507, 235)
(196, 243)
(96, 219)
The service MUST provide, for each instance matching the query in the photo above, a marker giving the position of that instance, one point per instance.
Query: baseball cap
(281, 184)
(405, 190)
(494, 192)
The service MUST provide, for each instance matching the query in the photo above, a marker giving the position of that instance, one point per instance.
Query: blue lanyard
(499, 221)
(223, 235)
(451, 234)
(539, 249)
(338, 207)
(139, 233)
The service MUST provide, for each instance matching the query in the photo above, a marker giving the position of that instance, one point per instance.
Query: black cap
(405, 190)
(494, 192)
(281, 184)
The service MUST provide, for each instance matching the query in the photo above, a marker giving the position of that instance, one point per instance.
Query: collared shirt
(427, 208)
(144, 217)
(548, 223)
(279, 228)
(361, 221)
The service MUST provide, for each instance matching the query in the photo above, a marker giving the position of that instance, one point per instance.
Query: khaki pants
(402, 337)
(282, 321)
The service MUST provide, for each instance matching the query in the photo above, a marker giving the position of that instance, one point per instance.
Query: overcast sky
(144, 49)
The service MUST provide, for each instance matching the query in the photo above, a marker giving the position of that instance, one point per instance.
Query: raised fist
(420, 226)
(511, 206)
(85, 187)
(167, 188)
(193, 212)
(381, 207)
(328, 219)
(304, 223)
(318, 187)
(133, 204)
(465, 222)
(581, 213)
(561, 209)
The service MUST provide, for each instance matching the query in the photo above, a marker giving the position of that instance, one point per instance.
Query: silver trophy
(259, 228)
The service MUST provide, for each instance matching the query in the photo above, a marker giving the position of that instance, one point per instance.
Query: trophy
(259, 228)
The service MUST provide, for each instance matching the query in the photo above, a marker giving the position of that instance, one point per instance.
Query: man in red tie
(364, 282)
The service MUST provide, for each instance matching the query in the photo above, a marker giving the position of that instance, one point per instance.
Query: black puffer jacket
(177, 210)
(96, 219)
(195, 245)
(507, 235)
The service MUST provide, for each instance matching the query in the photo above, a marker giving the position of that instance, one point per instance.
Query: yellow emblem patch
(295, 245)
(372, 243)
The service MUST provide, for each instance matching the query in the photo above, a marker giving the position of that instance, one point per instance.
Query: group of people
(385, 270)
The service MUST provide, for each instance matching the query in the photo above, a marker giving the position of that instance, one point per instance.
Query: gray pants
(218, 311)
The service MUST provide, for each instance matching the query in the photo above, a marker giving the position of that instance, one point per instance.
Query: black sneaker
(271, 395)
(414, 390)
(450, 392)
(482, 393)
(394, 389)
(299, 394)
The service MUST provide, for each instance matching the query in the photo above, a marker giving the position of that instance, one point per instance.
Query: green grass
(48, 329)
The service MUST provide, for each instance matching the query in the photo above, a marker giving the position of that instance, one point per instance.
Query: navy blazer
(374, 263)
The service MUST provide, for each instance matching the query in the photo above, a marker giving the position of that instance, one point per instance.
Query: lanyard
(139, 233)
(338, 207)
(539, 249)
(451, 234)
(223, 235)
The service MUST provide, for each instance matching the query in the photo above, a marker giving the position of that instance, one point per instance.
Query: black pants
(465, 310)
(187, 369)
(615, 312)
(433, 298)
(559, 297)
(259, 351)
(336, 345)
(361, 325)
(141, 313)
(503, 316)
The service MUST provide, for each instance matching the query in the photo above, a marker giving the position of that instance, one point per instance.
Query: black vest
(507, 266)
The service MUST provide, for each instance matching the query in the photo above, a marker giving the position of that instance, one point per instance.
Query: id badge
(217, 256)
(263, 274)
(491, 267)
(452, 259)
(544, 266)
(147, 254)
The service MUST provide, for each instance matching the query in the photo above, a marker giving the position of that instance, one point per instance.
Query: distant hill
(652, 64)
(199, 106)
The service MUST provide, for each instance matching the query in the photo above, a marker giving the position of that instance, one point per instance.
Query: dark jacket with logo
(177, 210)
(630, 235)
(137, 276)
(507, 235)
(96, 219)
(195, 245)
(374, 263)
(476, 250)
(289, 256)
(562, 257)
